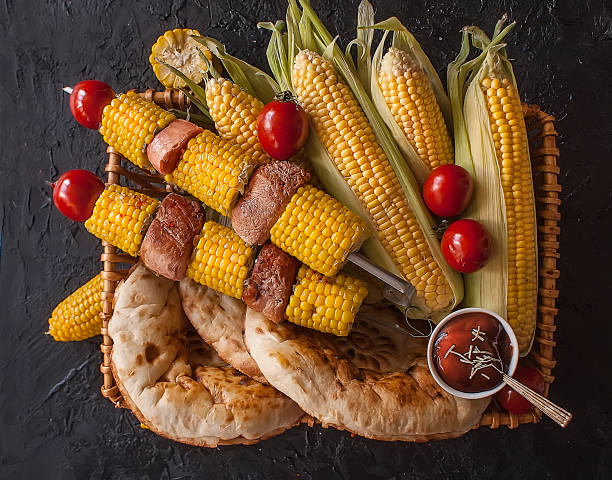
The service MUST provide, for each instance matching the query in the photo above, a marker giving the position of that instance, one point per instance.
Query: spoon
(561, 416)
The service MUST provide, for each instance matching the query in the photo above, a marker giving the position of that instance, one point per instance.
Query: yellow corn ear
(221, 260)
(327, 304)
(411, 99)
(235, 112)
(77, 317)
(121, 217)
(351, 143)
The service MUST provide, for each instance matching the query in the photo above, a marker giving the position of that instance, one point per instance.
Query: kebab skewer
(173, 239)
(307, 223)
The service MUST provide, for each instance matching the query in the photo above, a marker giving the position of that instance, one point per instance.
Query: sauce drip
(468, 349)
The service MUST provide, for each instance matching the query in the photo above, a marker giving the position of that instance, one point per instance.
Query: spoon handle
(558, 414)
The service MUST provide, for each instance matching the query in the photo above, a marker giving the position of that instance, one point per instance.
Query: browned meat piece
(266, 196)
(271, 282)
(167, 246)
(165, 151)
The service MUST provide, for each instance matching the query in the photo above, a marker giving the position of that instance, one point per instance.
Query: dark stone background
(53, 421)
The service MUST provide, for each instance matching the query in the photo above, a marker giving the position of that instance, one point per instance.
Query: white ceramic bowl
(434, 370)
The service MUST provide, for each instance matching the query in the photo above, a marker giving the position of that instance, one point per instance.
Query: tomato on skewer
(75, 194)
(282, 127)
(87, 101)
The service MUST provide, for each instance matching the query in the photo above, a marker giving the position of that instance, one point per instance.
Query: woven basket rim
(545, 169)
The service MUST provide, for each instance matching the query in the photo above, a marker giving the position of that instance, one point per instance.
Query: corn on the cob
(318, 230)
(410, 97)
(129, 124)
(491, 143)
(512, 152)
(235, 112)
(325, 304)
(178, 49)
(121, 217)
(348, 137)
(213, 170)
(221, 260)
(77, 317)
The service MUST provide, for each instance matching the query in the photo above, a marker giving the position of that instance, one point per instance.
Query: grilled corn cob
(325, 304)
(221, 260)
(318, 230)
(349, 139)
(129, 124)
(178, 49)
(121, 217)
(213, 170)
(77, 317)
(410, 97)
(235, 112)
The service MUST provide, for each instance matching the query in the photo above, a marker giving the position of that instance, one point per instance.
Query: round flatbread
(175, 384)
(374, 383)
(219, 320)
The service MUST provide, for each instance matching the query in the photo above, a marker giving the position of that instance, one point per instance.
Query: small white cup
(434, 370)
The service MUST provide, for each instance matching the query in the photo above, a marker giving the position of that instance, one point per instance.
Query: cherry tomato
(466, 245)
(282, 128)
(88, 99)
(514, 402)
(75, 194)
(447, 190)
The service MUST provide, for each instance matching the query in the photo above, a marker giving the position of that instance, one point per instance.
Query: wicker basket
(544, 154)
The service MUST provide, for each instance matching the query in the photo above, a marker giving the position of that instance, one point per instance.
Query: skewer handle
(396, 290)
(559, 415)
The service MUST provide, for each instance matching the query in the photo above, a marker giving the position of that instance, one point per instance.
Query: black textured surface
(54, 422)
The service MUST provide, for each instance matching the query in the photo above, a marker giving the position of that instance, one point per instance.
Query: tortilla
(219, 319)
(375, 383)
(175, 384)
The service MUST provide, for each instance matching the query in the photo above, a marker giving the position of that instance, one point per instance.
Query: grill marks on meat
(267, 194)
(271, 282)
(168, 244)
(167, 147)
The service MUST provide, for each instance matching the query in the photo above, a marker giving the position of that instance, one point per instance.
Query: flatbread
(175, 384)
(374, 383)
(219, 319)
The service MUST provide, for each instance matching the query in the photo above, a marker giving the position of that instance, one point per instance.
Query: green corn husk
(475, 151)
(405, 41)
(305, 30)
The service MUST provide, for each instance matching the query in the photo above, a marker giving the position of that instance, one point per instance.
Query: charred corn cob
(178, 49)
(221, 260)
(349, 139)
(235, 112)
(213, 170)
(77, 317)
(121, 217)
(325, 304)
(318, 230)
(129, 124)
(410, 97)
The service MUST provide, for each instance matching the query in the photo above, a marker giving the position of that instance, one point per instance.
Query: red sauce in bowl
(467, 349)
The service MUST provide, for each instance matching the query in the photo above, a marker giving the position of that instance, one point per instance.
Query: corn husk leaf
(314, 34)
(251, 79)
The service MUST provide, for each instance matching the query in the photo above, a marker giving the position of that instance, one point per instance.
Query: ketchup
(466, 350)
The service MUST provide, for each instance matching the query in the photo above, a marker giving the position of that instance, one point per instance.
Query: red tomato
(514, 402)
(448, 190)
(88, 99)
(75, 194)
(466, 246)
(282, 128)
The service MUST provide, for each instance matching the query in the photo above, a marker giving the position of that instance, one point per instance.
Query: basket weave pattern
(544, 155)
